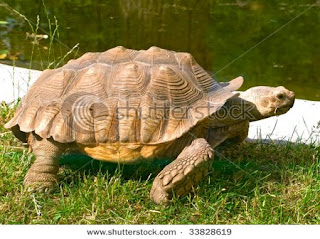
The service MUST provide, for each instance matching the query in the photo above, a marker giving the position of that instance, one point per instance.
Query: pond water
(269, 42)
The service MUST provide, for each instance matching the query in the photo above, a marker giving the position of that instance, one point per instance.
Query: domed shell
(121, 95)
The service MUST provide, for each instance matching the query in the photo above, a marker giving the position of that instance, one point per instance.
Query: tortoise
(126, 106)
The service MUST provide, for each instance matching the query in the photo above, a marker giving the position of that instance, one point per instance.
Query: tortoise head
(268, 101)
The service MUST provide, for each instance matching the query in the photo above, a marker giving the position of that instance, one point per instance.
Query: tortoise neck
(235, 110)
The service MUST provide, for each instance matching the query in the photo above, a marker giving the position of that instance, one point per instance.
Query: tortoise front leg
(182, 174)
(43, 172)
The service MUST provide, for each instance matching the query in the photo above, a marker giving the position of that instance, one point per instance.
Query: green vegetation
(215, 32)
(254, 184)
(47, 55)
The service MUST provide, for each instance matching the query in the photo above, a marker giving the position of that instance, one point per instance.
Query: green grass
(258, 184)
(254, 184)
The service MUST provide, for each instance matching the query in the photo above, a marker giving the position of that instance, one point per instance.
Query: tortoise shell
(121, 95)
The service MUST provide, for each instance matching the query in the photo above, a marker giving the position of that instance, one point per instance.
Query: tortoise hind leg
(43, 173)
(182, 174)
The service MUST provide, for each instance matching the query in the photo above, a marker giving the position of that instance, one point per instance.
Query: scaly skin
(178, 178)
(256, 103)
(43, 173)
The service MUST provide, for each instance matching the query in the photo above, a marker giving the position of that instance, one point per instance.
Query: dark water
(269, 42)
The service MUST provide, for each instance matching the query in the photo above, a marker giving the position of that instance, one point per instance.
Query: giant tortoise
(125, 106)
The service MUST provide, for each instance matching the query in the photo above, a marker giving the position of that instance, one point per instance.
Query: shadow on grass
(239, 170)
(77, 163)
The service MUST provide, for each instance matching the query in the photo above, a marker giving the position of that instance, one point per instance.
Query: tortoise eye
(280, 96)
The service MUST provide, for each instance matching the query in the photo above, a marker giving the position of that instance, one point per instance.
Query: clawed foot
(40, 183)
(185, 172)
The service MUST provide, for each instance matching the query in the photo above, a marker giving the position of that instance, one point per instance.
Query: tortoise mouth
(283, 109)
